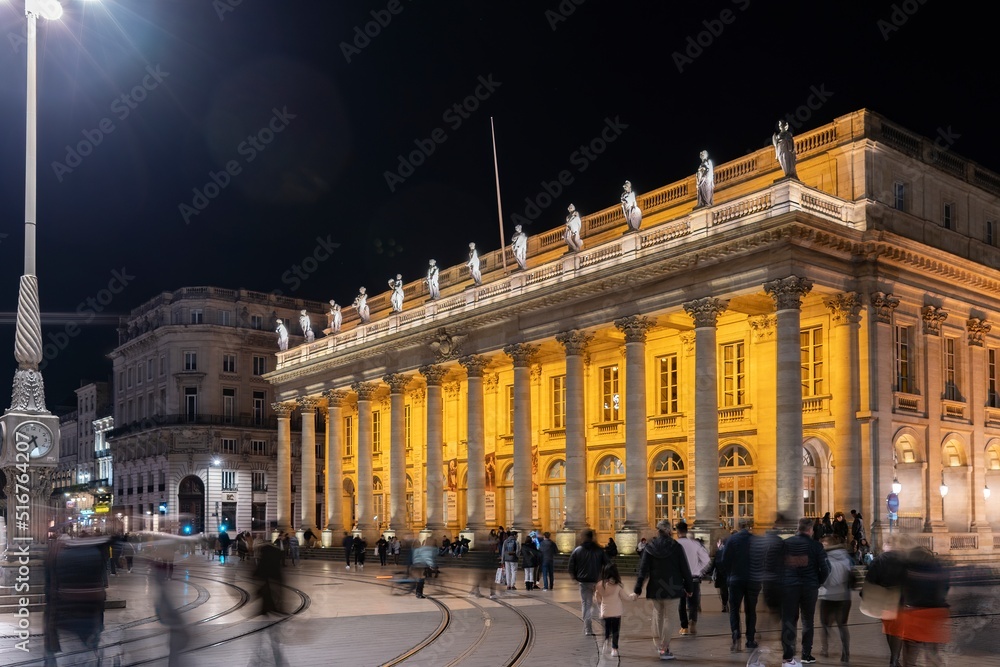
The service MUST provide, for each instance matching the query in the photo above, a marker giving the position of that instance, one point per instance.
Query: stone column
(933, 318)
(397, 453)
(434, 507)
(787, 294)
(335, 399)
(283, 412)
(575, 343)
(307, 408)
(635, 328)
(366, 492)
(846, 390)
(475, 495)
(878, 430)
(522, 354)
(977, 329)
(705, 313)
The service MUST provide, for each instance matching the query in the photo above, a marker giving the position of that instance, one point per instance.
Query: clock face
(37, 436)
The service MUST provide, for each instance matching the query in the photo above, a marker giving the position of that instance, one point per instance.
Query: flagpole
(496, 171)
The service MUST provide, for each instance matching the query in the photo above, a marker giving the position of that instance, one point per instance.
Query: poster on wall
(534, 506)
(452, 479)
(450, 506)
(491, 508)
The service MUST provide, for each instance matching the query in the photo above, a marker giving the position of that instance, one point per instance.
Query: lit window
(559, 401)
(669, 387)
(610, 398)
(733, 375)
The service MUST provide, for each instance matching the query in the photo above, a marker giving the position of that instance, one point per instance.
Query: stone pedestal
(327, 538)
(566, 541)
(425, 536)
(627, 540)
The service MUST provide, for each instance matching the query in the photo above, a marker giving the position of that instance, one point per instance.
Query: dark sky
(332, 112)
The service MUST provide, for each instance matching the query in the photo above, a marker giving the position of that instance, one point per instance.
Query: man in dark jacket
(666, 567)
(585, 566)
(744, 588)
(548, 550)
(857, 530)
(804, 568)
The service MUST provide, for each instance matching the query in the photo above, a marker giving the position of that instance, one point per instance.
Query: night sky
(201, 142)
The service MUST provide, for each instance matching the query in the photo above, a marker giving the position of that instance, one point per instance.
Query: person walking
(924, 610)
(293, 548)
(804, 568)
(608, 596)
(664, 564)
(586, 563)
(548, 551)
(395, 546)
(835, 597)
(719, 576)
(699, 563)
(359, 552)
(511, 552)
(348, 544)
(736, 562)
(382, 547)
(857, 530)
(529, 559)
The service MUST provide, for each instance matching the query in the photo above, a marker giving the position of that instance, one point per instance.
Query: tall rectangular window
(228, 363)
(812, 357)
(899, 196)
(990, 233)
(669, 389)
(138, 373)
(256, 322)
(259, 406)
(903, 360)
(348, 436)
(228, 480)
(406, 428)
(259, 365)
(993, 381)
(610, 398)
(950, 369)
(259, 480)
(190, 361)
(191, 403)
(510, 408)
(224, 318)
(131, 376)
(163, 365)
(228, 404)
(229, 445)
(197, 316)
(948, 215)
(733, 374)
(377, 432)
(149, 370)
(559, 401)
(258, 447)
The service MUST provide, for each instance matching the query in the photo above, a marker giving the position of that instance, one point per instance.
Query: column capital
(705, 312)
(845, 308)
(282, 410)
(397, 382)
(521, 353)
(933, 316)
(977, 328)
(335, 398)
(365, 390)
(763, 326)
(475, 364)
(788, 292)
(307, 403)
(575, 342)
(635, 327)
(884, 304)
(433, 374)
(491, 381)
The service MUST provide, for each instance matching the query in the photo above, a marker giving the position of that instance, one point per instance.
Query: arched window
(993, 457)
(378, 510)
(555, 481)
(610, 494)
(409, 502)
(669, 498)
(809, 507)
(736, 485)
(952, 456)
(507, 489)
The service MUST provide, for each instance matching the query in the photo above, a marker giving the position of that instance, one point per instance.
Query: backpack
(510, 550)
(839, 578)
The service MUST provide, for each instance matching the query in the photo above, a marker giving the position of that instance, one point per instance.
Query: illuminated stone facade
(784, 352)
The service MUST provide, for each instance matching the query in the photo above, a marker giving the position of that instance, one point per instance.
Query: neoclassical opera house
(795, 347)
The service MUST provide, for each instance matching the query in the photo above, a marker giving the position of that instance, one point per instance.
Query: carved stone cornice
(788, 292)
(763, 326)
(365, 390)
(521, 353)
(635, 327)
(417, 396)
(475, 364)
(977, 328)
(335, 398)
(705, 312)
(282, 410)
(307, 403)
(575, 342)
(397, 382)
(844, 308)
(884, 304)
(491, 381)
(433, 374)
(933, 317)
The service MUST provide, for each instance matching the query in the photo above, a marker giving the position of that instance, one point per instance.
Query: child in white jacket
(608, 596)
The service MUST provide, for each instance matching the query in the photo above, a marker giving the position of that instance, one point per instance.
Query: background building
(81, 486)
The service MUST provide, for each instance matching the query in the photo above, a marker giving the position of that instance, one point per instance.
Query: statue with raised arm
(519, 247)
(307, 327)
(784, 149)
(396, 298)
(633, 214)
(573, 227)
(361, 306)
(473, 265)
(336, 317)
(705, 178)
(282, 332)
(432, 280)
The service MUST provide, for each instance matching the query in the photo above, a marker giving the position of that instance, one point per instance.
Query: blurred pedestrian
(75, 593)
(743, 589)
(529, 559)
(359, 552)
(664, 564)
(611, 548)
(608, 596)
(270, 578)
(699, 563)
(382, 547)
(293, 547)
(395, 546)
(511, 553)
(719, 576)
(585, 566)
(835, 597)
(348, 544)
(924, 612)
(884, 580)
(804, 569)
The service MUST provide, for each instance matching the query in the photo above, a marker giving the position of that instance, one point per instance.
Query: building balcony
(735, 414)
(903, 402)
(993, 417)
(608, 429)
(666, 422)
(954, 410)
(269, 423)
(816, 405)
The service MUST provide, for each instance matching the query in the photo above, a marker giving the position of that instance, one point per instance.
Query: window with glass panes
(406, 428)
(376, 432)
(736, 486)
(903, 340)
(259, 480)
(349, 436)
(510, 408)
(259, 365)
(610, 399)
(669, 499)
(507, 488)
(950, 371)
(809, 504)
(559, 401)
(409, 502)
(259, 406)
(556, 494)
(378, 510)
(733, 374)
(229, 445)
(228, 363)
(812, 357)
(228, 404)
(190, 361)
(992, 381)
(668, 385)
(610, 494)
